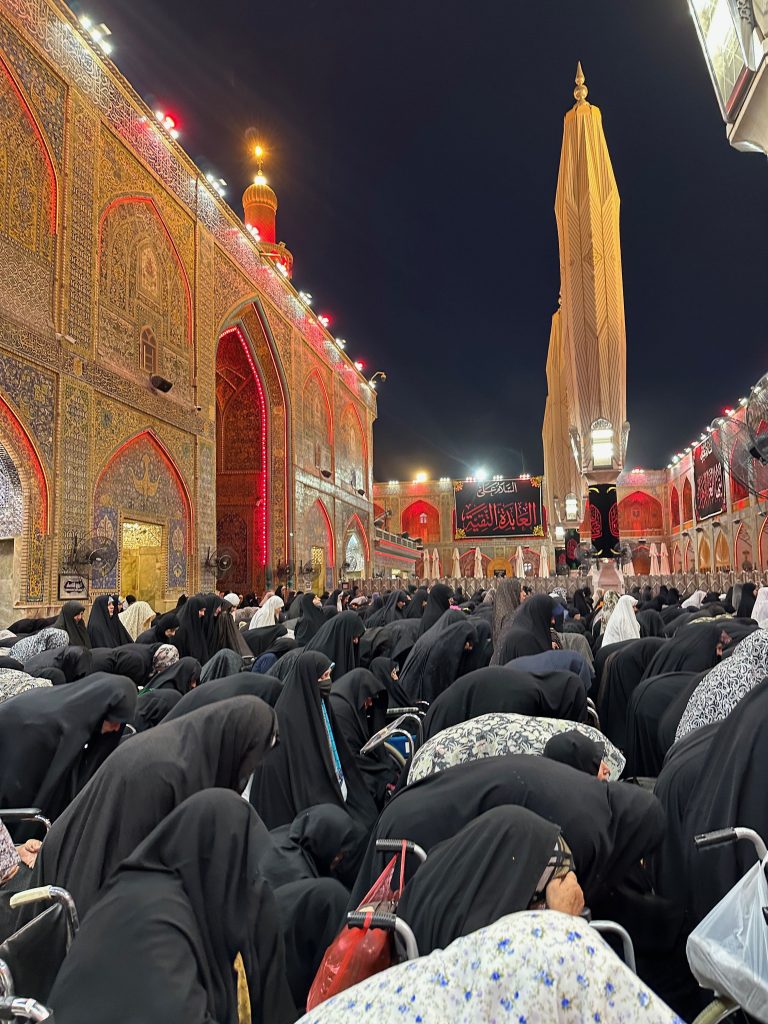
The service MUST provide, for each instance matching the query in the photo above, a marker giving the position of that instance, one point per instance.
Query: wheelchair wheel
(717, 1010)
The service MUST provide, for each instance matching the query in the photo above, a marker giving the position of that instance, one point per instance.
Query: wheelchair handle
(16, 814)
(42, 892)
(28, 1009)
(395, 845)
(391, 923)
(726, 836)
(54, 894)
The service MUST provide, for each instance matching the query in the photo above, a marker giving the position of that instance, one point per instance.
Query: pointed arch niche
(28, 209)
(420, 519)
(141, 501)
(144, 293)
(257, 534)
(24, 505)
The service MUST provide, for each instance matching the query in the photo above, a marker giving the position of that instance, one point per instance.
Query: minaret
(593, 331)
(260, 210)
(563, 480)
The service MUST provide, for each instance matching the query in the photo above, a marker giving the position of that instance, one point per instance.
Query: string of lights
(679, 456)
(98, 35)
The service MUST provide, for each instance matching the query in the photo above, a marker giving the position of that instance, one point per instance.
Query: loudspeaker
(160, 383)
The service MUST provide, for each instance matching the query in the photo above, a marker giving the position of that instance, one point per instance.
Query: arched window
(148, 350)
(687, 501)
(674, 508)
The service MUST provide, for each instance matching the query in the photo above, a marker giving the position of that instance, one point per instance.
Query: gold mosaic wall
(116, 260)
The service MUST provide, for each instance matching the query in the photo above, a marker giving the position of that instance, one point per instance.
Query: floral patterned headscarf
(542, 967)
(165, 656)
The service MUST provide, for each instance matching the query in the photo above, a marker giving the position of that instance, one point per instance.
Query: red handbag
(358, 953)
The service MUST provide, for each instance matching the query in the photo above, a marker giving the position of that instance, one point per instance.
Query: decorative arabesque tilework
(80, 242)
(139, 482)
(33, 392)
(142, 288)
(27, 241)
(75, 461)
(11, 497)
(46, 90)
(53, 32)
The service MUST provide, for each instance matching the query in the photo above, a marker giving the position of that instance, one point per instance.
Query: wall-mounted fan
(584, 556)
(94, 558)
(219, 562)
(742, 442)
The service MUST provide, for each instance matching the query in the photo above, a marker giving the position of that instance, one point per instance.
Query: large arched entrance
(242, 469)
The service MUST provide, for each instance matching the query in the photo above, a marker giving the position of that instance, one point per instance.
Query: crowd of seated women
(214, 814)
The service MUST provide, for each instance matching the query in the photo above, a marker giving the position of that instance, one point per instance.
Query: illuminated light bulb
(209, 177)
(86, 22)
(420, 478)
(358, 365)
(306, 298)
(173, 132)
(159, 115)
(282, 268)
(106, 47)
(95, 35)
(341, 343)
(324, 320)
(372, 385)
(258, 152)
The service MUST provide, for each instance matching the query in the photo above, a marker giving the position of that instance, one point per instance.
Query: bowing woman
(142, 782)
(187, 930)
(312, 764)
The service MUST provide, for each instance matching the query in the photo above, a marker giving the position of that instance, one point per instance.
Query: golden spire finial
(258, 152)
(581, 91)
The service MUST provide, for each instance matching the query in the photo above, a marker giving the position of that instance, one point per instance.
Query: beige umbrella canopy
(455, 564)
(478, 564)
(654, 560)
(519, 563)
(543, 563)
(664, 563)
(435, 565)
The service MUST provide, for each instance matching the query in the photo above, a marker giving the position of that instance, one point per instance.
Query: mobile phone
(331, 667)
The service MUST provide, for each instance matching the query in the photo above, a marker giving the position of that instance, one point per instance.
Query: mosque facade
(172, 412)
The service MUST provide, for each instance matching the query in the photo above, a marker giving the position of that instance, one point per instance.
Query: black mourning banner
(499, 508)
(604, 520)
(572, 541)
(708, 480)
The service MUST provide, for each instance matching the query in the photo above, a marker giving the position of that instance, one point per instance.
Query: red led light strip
(260, 512)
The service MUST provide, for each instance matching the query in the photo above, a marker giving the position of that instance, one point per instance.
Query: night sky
(414, 147)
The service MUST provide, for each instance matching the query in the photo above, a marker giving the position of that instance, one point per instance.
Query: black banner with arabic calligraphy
(604, 520)
(708, 481)
(499, 508)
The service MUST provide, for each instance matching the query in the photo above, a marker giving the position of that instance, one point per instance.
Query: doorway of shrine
(142, 561)
(242, 434)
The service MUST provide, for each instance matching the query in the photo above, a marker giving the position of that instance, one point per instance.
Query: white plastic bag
(728, 951)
